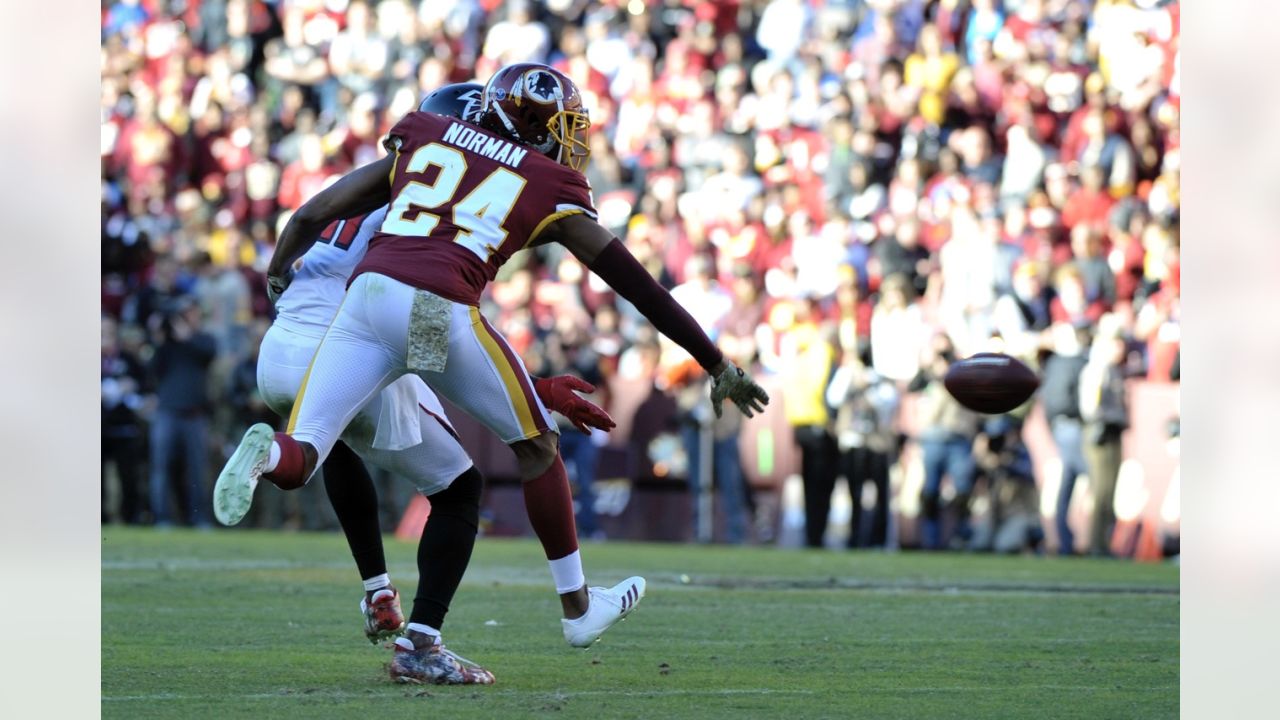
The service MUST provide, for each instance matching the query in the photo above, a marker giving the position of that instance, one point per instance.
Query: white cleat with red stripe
(608, 606)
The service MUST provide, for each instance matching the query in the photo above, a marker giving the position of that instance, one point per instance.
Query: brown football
(991, 383)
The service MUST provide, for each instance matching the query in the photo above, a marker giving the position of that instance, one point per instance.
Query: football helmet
(459, 100)
(538, 106)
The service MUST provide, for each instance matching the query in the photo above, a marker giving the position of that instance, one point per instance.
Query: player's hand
(557, 393)
(734, 384)
(277, 284)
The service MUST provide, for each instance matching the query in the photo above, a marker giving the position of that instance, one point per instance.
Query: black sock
(355, 502)
(445, 549)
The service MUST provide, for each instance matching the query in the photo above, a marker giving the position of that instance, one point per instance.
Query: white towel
(399, 422)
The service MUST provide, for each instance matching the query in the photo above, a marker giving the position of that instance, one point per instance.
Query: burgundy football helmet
(538, 106)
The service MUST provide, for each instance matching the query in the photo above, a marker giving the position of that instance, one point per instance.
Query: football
(991, 383)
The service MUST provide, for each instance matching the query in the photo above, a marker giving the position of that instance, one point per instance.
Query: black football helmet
(459, 100)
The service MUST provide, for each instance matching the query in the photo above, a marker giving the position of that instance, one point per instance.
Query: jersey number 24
(417, 209)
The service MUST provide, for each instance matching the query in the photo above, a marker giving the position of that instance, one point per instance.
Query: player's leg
(443, 555)
(583, 454)
(404, 412)
(283, 359)
(486, 378)
(441, 469)
(362, 352)
(354, 499)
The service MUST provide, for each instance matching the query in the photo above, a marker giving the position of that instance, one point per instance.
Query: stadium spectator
(806, 361)
(700, 432)
(947, 432)
(180, 426)
(898, 331)
(1158, 324)
(1095, 272)
(866, 409)
(1105, 412)
(702, 295)
(123, 385)
(1060, 393)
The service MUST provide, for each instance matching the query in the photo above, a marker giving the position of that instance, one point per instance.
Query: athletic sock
(405, 642)
(274, 458)
(424, 629)
(287, 472)
(549, 504)
(566, 573)
(378, 582)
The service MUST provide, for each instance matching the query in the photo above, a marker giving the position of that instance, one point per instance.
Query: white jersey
(312, 300)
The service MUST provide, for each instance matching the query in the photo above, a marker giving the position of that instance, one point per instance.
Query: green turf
(264, 625)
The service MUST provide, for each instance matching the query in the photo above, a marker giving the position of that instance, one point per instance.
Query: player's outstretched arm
(360, 191)
(607, 257)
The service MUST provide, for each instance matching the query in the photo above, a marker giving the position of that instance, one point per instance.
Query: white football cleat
(233, 494)
(608, 606)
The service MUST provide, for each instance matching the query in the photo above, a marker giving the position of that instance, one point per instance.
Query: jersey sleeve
(575, 195)
(572, 197)
(413, 125)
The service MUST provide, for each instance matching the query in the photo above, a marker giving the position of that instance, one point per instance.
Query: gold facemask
(569, 128)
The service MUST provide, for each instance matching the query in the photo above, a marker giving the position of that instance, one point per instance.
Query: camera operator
(180, 428)
(1004, 460)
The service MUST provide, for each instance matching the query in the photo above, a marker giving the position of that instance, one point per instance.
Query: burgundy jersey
(463, 200)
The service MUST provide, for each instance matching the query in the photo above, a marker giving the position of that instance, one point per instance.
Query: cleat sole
(233, 492)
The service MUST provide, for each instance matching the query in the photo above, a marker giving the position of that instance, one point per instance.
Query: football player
(462, 199)
(403, 429)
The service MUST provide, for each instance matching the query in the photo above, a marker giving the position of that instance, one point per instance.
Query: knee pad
(462, 498)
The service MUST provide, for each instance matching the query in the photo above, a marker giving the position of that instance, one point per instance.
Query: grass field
(265, 625)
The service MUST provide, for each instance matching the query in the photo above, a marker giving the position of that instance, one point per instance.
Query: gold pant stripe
(508, 374)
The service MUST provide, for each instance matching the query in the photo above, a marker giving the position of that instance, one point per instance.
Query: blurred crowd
(846, 194)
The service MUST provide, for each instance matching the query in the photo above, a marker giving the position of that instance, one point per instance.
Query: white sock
(424, 629)
(377, 582)
(274, 458)
(566, 573)
(404, 641)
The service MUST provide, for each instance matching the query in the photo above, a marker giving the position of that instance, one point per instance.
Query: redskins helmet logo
(541, 86)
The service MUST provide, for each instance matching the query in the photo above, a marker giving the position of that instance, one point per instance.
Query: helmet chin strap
(506, 121)
(511, 128)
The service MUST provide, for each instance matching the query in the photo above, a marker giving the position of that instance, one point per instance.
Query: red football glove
(557, 393)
